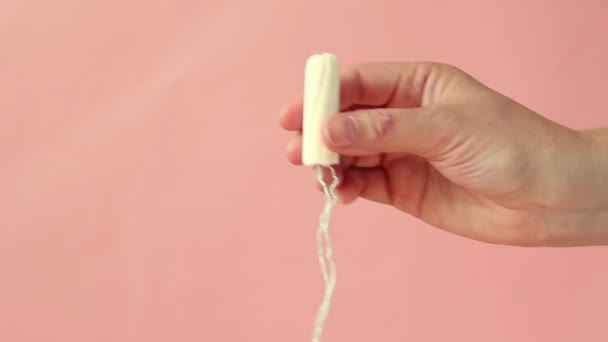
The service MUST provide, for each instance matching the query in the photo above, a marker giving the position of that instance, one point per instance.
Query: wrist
(598, 149)
(577, 209)
(594, 221)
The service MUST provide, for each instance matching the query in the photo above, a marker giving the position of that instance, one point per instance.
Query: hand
(432, 141)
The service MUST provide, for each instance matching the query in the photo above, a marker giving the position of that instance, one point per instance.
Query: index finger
(390, 84)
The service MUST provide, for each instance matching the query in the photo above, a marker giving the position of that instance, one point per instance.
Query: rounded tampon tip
(324, 57)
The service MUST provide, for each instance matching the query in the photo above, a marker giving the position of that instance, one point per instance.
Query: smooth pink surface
(144, 193)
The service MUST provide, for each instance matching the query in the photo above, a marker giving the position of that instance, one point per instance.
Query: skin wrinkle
(389, 184)
(391, 97)
(415, 165)
(426, 82)
(359, 85)
(412, 94)
(447, 136)
(424, 193)
(382, 124)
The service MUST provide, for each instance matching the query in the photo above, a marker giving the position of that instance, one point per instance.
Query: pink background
(144, 193)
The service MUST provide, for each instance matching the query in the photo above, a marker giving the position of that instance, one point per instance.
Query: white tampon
(321, 100)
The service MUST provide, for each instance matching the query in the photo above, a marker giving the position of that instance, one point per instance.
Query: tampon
(321, 100)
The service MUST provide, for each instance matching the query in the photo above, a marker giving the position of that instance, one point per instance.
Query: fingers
(385, 84)
(294, 154)
(368, 161)
(294, 150)
(409, 184)
(350, 183)
(290, 117)
(422, 131)
(374, 85)
(370, 183)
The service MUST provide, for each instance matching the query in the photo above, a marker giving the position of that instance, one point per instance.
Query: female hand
(432, 141)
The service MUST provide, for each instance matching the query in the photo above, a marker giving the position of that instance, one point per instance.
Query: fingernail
(342, 130)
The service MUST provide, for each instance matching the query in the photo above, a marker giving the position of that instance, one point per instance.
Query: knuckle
(439, 67)
(378, 124)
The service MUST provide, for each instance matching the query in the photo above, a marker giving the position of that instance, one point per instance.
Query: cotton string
(324, 250)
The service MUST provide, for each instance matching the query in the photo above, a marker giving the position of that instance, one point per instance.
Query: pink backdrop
(144, 194)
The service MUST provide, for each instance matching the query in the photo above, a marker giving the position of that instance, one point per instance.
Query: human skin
(432, 141)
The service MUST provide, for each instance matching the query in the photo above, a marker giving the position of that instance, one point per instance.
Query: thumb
(423, 131)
